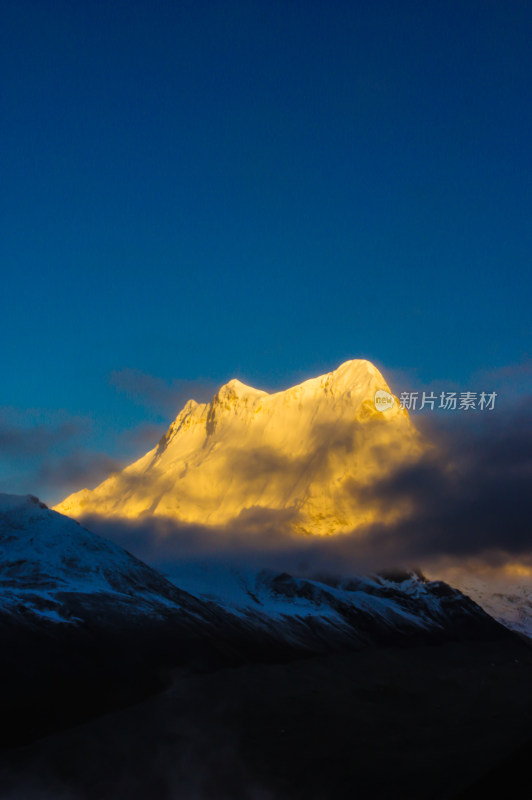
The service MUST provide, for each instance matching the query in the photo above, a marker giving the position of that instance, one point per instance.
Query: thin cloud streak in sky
(156, 394)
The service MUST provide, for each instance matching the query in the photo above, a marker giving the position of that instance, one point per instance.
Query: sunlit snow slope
(296, 458)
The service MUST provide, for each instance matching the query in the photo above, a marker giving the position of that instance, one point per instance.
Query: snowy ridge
(405, 603)
(46, 558)
(54, 569)
(506, 599)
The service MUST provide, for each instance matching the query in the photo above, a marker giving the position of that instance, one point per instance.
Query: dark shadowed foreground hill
(408, 723)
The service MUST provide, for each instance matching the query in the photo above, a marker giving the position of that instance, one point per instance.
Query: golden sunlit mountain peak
(296, 458)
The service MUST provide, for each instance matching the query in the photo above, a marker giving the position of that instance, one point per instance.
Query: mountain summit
(297, 459)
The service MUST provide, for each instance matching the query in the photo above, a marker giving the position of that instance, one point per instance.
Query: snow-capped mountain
(54, 569)
(294, 458)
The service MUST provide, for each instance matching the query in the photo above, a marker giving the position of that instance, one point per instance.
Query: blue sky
(199, 190)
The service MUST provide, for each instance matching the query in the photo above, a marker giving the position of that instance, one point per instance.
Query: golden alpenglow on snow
(298, 459)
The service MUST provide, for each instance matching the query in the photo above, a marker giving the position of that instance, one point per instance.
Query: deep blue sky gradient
(201, 190)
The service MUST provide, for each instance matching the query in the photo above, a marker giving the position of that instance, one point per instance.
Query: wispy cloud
(164, 397)
(49, 454)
